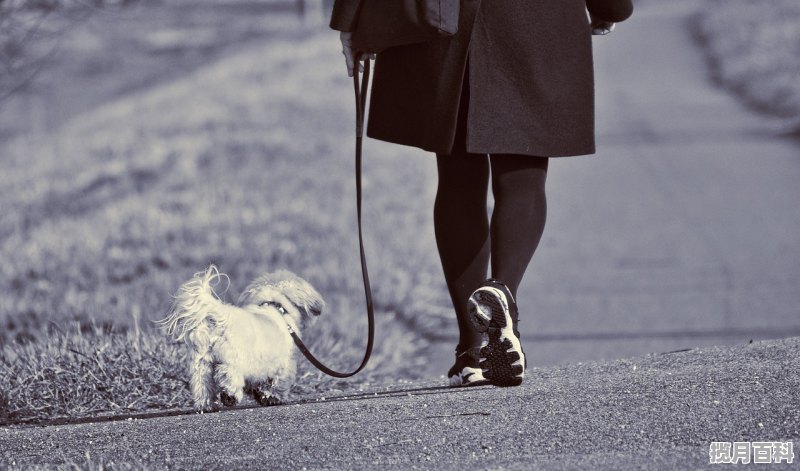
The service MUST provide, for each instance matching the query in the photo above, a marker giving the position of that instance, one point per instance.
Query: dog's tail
(197, 309)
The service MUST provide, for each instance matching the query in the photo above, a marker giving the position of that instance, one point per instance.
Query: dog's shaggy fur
(245, 347)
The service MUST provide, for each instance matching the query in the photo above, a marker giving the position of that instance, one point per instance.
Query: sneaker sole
(468, 377)
(502, 358)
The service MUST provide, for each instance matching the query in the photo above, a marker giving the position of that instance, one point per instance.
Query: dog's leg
(231, 386)
(262, 393)
(202, 385)
(273, 392)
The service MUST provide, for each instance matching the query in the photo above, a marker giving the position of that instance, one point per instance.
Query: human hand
(353, 58)
(601, 27)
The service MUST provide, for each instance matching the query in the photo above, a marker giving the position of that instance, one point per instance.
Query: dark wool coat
(531, 85)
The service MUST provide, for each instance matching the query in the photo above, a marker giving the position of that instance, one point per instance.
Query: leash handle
(360, 87)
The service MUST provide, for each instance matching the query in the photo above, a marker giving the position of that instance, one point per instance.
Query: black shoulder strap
(361, 102)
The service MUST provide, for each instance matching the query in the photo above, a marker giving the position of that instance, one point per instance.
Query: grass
(84, 372)
(245, 163)
(88, 371)
(754, 49)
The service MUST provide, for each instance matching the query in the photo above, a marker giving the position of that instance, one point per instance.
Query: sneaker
(494, 313)
(466, 372)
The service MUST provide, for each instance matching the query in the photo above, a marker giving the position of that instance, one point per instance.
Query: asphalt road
(653, 412)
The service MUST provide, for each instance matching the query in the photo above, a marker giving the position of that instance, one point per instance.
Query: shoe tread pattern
(500, 361)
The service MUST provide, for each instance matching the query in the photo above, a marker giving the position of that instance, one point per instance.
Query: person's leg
(462, 231)
(518, 184)
(461, 222)
(520, 210)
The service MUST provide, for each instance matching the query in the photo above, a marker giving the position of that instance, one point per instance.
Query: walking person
(511, 89)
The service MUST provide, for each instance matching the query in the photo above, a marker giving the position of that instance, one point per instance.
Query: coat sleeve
(610, 10)
(345, 14)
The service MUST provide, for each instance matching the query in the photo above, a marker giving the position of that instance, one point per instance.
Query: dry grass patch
(754, 48)
(80, 372)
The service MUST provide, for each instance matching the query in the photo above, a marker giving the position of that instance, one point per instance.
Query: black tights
(466, 238)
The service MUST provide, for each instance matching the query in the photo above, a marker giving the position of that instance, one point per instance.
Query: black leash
(361, 103)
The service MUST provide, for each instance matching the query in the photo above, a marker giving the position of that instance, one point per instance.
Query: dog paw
(266, 400)
(227, 399)
(270, 401)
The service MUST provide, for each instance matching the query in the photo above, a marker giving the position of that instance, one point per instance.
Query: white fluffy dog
(246, 347)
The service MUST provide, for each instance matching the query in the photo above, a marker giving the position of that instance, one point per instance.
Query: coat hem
(529, 152)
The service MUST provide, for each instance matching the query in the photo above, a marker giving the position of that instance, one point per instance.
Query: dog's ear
(299, 292)
(304, 297)
(296, 290)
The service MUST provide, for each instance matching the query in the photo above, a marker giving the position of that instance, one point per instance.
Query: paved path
(683, 230)
(656, 412)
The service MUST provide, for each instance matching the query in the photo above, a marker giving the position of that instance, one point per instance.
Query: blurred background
(141, 140)
(62, 57)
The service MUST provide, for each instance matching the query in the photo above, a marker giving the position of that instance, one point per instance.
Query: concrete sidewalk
(683, 230)
(653, 412)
